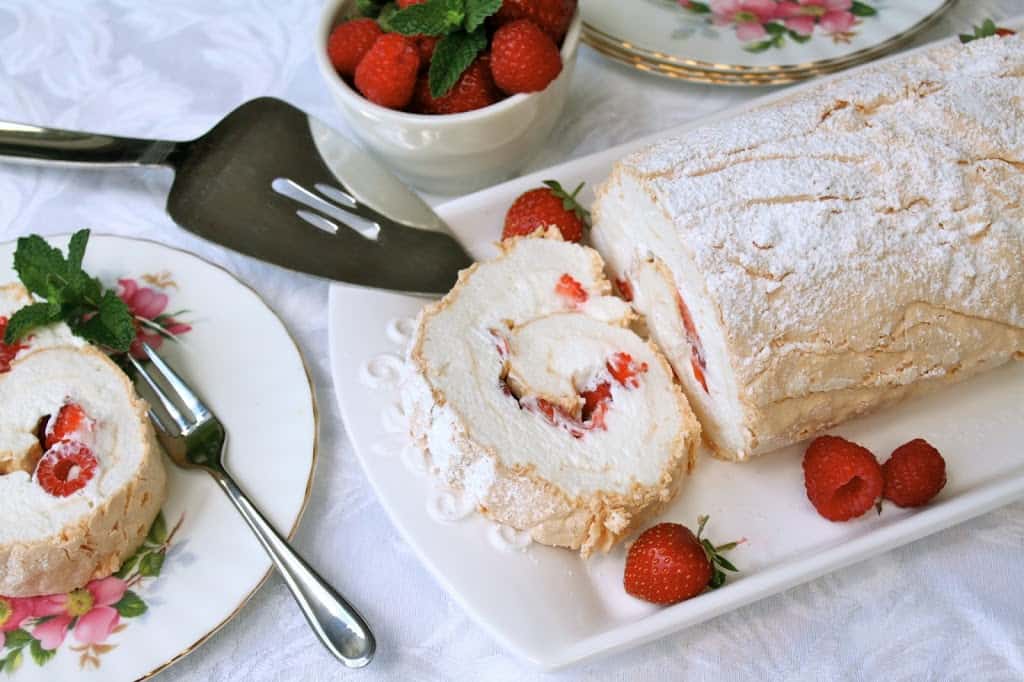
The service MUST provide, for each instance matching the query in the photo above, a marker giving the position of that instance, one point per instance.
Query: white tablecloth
(947, 607)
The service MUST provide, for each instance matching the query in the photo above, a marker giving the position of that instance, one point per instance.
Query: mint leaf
(384, 18)
(859, 9)
(453, 55)
(27, 319)
(76, 249)
(112, 325)
(370, 8)
(40, 655)
(478, 10)
(35, 261)
(430, 18)
(131, 605)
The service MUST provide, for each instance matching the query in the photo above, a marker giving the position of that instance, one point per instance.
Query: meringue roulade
(529, 393)
(81, 479)
(834, 251)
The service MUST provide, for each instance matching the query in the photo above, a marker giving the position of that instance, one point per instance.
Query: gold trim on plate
(699, 71)
(312, 468)
(312, 465)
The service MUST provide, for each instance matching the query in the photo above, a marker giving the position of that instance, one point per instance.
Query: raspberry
(914, 474)
(475, 89)
(387, 74)
(571, 290)
(843, 479)
(523, 58)
(426, 46)
(70, 420)
(544, 207)
(551, 16)
(66, 468)
(349, 43)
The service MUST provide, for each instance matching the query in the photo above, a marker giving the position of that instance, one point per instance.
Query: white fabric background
(947, 607)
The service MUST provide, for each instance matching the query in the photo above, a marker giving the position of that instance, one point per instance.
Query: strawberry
(387, 74)
(624, 370)
(7, 352)
(551, 16)
(66, 468)
(475, 89)
(668, 563)
(71, 419)
(524, 58)
(914, 474)
(843, 479)
(543, 207)
(402, 4)
(349, 43)
(1003, 32)
(571, 290)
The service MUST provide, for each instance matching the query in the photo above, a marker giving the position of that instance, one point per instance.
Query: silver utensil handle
(338, 625)
(33, 144)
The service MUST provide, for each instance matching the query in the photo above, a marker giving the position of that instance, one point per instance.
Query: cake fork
(195, 439)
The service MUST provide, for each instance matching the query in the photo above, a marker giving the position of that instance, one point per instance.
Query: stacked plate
(752, 42)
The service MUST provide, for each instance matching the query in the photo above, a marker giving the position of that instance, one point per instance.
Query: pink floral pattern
(88, 610)
(765, 24)
(147, 305)
(39, 626)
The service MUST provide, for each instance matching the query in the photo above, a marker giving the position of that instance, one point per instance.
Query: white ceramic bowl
(455, 153)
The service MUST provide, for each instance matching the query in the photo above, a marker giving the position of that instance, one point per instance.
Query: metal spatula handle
(33, 144)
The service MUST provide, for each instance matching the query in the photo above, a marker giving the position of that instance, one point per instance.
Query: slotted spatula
(275, 183)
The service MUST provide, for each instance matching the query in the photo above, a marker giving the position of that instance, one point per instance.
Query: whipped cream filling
(507, 339)
(38, 384)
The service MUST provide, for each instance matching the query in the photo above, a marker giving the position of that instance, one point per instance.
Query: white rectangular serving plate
(552, 608)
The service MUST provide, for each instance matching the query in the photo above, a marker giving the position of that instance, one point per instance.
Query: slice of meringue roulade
(81, 476)
(529, 393)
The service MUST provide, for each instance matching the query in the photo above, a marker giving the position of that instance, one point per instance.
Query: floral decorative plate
(553, 608)
(200, 563)
(754, 36)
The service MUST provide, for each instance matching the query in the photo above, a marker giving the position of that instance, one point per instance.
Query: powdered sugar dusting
(899, 186)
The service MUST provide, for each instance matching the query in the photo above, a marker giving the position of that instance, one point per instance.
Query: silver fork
(195, 439)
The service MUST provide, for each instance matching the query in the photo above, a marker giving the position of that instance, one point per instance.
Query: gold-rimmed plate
(781, 41)
(201, 564)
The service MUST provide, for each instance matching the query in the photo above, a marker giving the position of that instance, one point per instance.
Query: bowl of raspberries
(454, 95)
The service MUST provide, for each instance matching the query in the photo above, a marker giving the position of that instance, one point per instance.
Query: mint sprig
(452, 56)
(458, 23)
(96, 314)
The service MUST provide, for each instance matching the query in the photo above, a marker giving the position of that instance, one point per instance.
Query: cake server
(277, 184)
